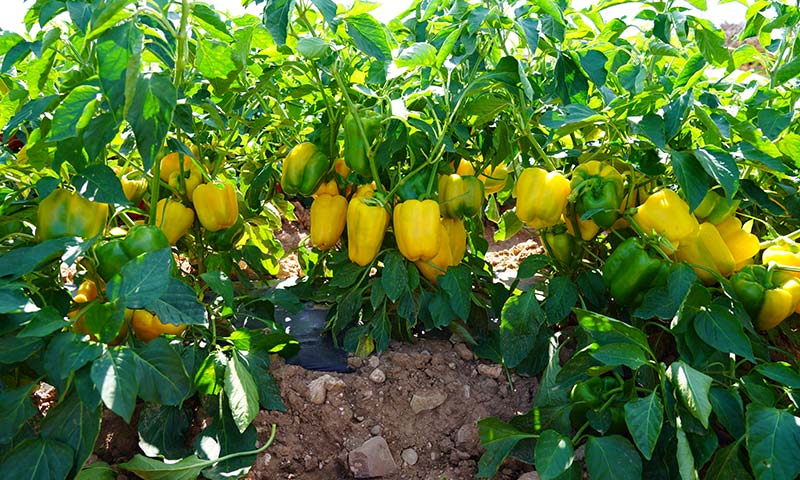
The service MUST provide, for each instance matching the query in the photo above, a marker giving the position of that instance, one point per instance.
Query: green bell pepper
(630, 271)
(355, 145)
(303, 170)
(561, 246)
(114, 254)
(597, 189)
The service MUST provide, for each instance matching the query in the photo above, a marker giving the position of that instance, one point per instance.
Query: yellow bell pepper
(706, 250)
(192, 178)
(328, 216)
(786, 253)
(216, 205)
(147, 326)
(173, 219)
(171, 163)
(327, 188)
(456, 238)
(493, 177)
(417, 229)
(438, 265)
(541, 197)
(665, 213)
(743, 245)
(589, 229)
(366, 226)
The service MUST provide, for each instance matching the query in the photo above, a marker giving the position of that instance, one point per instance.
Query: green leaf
(685, 456)
(509, 226)
(562, 295)
(692, 388)
(612, 458)
(115, 375)
(727, 464)
(727, 407)
(118, 55)
(711, 42)
(368, 36)
(269, 393)
(651, 126)
(553, 453)
(457, 284)
(328, 10)
(498, 438)
(313, 47)
(16, 405)
(787, 71)
(605, 330)
(178, 305)
(218, 61)
(65, 354)
(75, 424)
(645, 417)
(98, 183)
(162, 376)
(142, 280)
(781, 372)
(14, 299)
(394, 277)
(150, 114)
(38, 458)
(188, 468)
(97, 471)
(789, 145)
(773, 123)
(241, 392)
(276, 18)
(220, 284)
(720, 328)
(420, 54)
(222, 438)
(531, 265)
(691, 176)
(773, 440)
(616, 354)
(551, 8)
(520, 321)
(721, 166)
(162, 432)
(74, 112)
(208, 18)
(14, 349)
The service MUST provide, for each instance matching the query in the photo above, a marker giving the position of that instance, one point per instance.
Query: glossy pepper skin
(630, 271)
(171, 163)
(451, 250)
(598, 187)
(715, 208)
(460, 196)
(114, 254)
(367, 222)
(665, 213)
(743, 245)
(355, 149)
(192, 178)
(786, 253)
(147, 326)
(706, 250)
(328, 217)
(303, 170)
(561, 246)
(417, 229)
(174, 219)
(64, 213)
(493, 177)
(769, 296)
(541, 197)
(134, 185)
(588, 228)
(216, 205)
(327, 188)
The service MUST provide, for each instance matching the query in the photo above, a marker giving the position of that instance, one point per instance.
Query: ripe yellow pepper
(171, 163)
(743, 245)
(493, 177)
(417, 229)
(588, 229)
(451, 250)
(541, 197)
(216, 205)
(786, 253)
(328, 216)
(174, 219)
(192, 178)
(456, 238)
(706, 248)
(665, 213)
(327, 188)
(147, 326)
(366, 226)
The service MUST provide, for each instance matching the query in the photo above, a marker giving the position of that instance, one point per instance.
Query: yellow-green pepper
(597, 189)
(65, 213)
(769, 296)
(541, 197)
(174, 219)
(417, 229)
(303, 169)
(460, 196)
(216, 205)
(328, 217)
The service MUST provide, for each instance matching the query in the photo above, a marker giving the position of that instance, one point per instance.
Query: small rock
(491, 371)
(421, 402)
(355, 362)
(319, 387)
(376, 430)
(266, 459)
(372, 459)
(467, 437)
(410, 456)
(445, 444)
(464, 352)
(377, 376)
(529, 476)
(374, 361)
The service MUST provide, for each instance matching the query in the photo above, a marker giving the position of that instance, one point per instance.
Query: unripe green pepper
(561, 245)
(460, 196)
(355, 148)
(597, 187)
(65, 213)
(303, 170)
(114, 254)
(630, 271)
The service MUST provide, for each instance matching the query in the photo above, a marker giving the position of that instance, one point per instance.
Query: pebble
(374, 361)
(467, 436)
(377, 376)
(355, 362)
(372, 459)
(491, 371)
(529, 476)
(319, 387)
(376, 430)
(410, 456)
(424, 401)
(464, 352)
